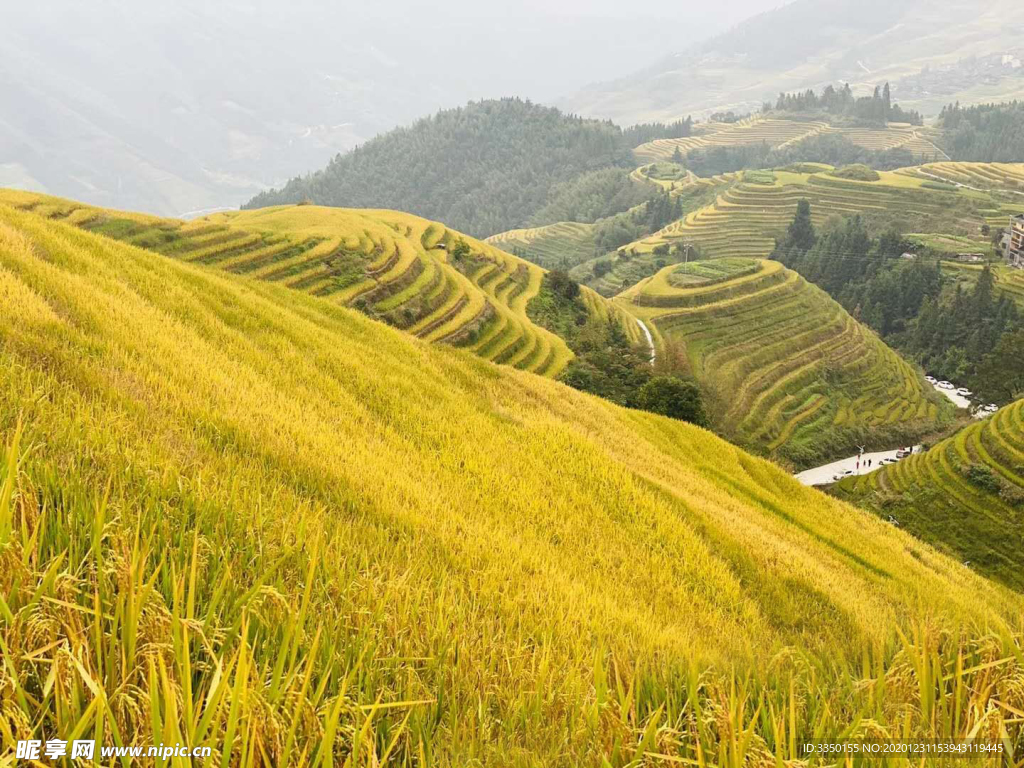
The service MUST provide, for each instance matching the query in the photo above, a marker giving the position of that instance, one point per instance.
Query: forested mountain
(482, 168)
(593, 196)
(984, 133)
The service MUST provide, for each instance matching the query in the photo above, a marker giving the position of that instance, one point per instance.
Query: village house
(1015, 246)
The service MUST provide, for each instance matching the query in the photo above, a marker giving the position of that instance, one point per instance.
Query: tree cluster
(592, 196)
(833, 149)
(956, 334)
(984, 133)
(642, 133)
(606, 363)
(615, 231)
(877, 108)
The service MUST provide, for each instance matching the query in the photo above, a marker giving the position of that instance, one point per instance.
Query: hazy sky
(180, 105)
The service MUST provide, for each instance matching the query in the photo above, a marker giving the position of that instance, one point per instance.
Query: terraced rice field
(393, 266)
(779, 132)
(896, 135)
(775, 132)
(964, 495)
(236, 516)
(790, 372)
(746, 218)
(676, 179)
(982, 176)
(555, 246)
(1008, 281)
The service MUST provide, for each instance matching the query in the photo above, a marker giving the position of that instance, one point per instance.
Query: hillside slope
(397, 268)
(779, 131)
(245, 517)
(964, 495)
(753, 208)
(790, 372)
(810, 43)
(482, 168)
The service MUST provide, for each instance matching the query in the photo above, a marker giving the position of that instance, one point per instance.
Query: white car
(842, 474)
(991, 408)
(964, 392)
(884, 462)
(930, 379)
(945, 385)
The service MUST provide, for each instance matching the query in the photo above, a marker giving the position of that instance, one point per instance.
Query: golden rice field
(775, 132)
(676, 179)
(982, 176)
(778, 132)
(238, 515)
(965, 495)
(394, 266)
(746, 217)
(790, 372)
(554, 246)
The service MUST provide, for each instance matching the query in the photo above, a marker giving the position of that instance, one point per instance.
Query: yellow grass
(240, 516)
(388, 264)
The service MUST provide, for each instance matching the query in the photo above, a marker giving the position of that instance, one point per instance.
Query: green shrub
(673, 397)
(982, 477)
(857, 172)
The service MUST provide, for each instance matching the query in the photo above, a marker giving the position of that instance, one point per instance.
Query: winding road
(647, 333)
(823, 475)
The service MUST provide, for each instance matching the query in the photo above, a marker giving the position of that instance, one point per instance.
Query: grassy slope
(792, 373)
(387, 263)
(258, 513)
(933, 496)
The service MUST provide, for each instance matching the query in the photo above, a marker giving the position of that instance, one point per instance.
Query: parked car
(841, 474)
(883, 462)
(946, 385)
(930, 379)
(991, 408)
(964, 392)
(902, 453)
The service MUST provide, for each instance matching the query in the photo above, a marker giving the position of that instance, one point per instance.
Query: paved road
(647, 333)
(823, 474)
(959, 400)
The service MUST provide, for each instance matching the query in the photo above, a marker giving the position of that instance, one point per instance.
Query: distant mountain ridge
(810, 43)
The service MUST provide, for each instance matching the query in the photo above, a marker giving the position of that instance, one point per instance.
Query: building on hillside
(970, 258)
(1015, 248)
(908, 255)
